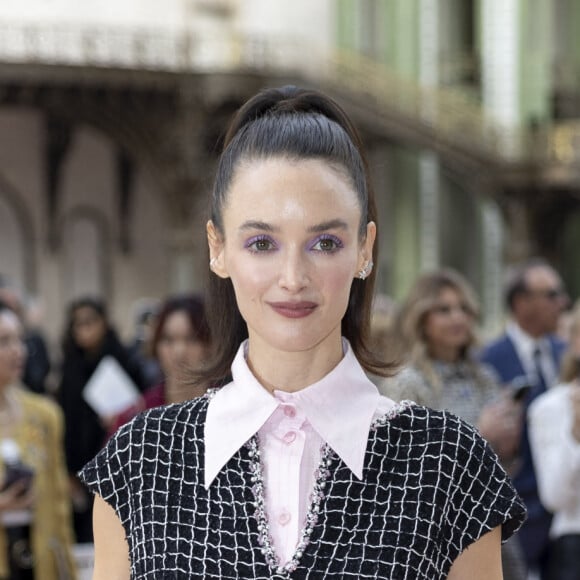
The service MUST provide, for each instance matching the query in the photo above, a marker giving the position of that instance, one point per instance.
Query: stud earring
(366, 270)
(212, 263)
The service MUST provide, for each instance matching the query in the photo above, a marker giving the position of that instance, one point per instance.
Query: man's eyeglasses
(550, 294)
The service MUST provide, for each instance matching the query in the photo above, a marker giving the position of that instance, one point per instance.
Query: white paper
(110, 390)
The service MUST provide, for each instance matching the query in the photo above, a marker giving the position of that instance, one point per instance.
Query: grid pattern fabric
(431, 486)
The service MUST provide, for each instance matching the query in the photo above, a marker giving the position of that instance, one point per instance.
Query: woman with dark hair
(89, 337)
(296, 467)
(181, 343)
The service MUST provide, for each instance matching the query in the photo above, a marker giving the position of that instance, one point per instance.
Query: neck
(9, 408)
(292, 371)
(445, 354)
(530, 329)
(176, 391)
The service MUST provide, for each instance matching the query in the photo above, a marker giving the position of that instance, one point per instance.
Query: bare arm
(111, 549)
(481, 560)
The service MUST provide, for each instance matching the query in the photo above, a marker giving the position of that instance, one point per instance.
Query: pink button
(284, 518)
(290, 437)
(290, 411)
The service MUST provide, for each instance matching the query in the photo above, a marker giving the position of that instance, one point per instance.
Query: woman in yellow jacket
(31, 431)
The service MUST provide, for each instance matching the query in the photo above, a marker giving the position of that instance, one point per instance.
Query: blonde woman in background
(437, 327)
(554, 427)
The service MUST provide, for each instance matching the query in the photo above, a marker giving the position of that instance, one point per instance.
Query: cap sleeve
(481, 495)
(108, 474)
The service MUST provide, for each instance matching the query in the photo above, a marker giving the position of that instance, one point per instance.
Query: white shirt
(556, 456)
(525, 346)
(338, 410)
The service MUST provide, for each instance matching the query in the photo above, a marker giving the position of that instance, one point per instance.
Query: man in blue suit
(529, 353)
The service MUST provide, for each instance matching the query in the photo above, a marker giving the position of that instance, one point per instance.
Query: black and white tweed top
(431, 486)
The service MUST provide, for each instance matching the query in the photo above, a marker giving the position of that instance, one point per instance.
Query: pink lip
(294, 309)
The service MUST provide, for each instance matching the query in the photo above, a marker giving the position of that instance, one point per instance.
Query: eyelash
(252, 244)
(337, 244)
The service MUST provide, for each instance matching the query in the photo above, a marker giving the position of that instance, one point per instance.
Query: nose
(294, 271)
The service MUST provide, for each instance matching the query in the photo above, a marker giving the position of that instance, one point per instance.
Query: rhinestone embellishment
(317, 496)
(264, 538)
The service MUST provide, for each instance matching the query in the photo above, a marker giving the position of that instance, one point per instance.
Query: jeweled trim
(396, 410)
(316, 498)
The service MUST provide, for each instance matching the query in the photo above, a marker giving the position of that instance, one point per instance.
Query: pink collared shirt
(292, 427)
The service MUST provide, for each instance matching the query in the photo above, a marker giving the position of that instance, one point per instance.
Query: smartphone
(519, 388)
(17, 472)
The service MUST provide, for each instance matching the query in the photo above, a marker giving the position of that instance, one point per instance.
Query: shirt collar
(526, 344)
(340, 407)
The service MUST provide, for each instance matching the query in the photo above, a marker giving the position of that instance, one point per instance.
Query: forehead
(282, 188)
(9, 322)
(449, 293)
(541, 278)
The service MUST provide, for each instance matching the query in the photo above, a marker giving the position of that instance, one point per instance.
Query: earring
(212, 263)
(366, 270)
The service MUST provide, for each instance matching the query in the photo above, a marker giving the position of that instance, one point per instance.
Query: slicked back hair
(294, 124)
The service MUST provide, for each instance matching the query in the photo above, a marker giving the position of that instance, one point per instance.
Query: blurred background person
(437, 327)
(554, 428)
(529, 351)
(35, 517)
(180, 342)
(145, 318)
(88, 338)
(37, 366)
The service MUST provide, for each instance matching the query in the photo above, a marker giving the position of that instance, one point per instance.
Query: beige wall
(88, 189)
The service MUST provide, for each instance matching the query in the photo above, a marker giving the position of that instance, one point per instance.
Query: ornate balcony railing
(448, 112)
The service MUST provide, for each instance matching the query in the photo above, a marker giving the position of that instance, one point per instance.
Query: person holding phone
(296, 467)
(437, 326)
(35, 516)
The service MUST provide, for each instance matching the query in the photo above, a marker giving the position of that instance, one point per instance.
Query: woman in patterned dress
(296, 467)
(437, 324)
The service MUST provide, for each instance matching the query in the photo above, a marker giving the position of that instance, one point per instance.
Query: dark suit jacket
(502, 356)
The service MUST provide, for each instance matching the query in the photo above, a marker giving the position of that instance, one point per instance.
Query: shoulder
(429, 427)
(496, 347)
(39, 405)
(408, 383)
(150, 439)
(488, 373)
(169, 419)
(555, 400)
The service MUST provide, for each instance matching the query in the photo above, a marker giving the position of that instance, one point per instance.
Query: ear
(216, 250)
(366, 249)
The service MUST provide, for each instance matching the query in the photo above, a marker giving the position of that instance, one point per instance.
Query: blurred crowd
(521, 390)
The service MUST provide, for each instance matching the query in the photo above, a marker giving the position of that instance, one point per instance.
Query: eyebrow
(336, 224)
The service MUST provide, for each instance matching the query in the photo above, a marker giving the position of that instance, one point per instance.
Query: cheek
(429, 328)
(196, 353)
(248, 281)
(338, 281)
(164, 355)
